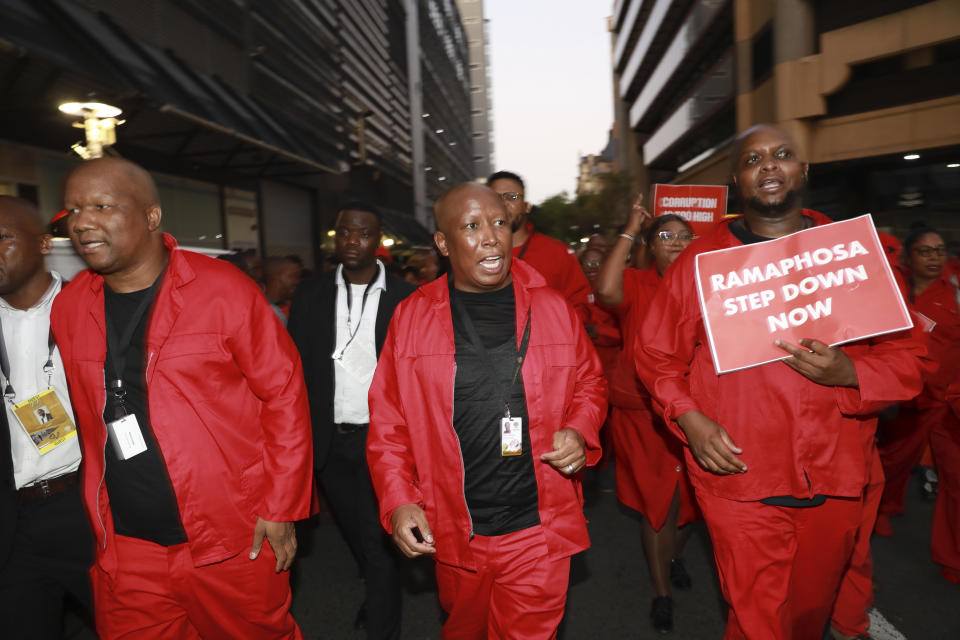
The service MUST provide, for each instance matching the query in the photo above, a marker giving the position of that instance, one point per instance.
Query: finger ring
(569, 468)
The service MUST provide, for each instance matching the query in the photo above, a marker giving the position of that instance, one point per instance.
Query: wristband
(627, 236)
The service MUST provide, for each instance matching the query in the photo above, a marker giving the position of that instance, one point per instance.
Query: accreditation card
(511, 436)
(45, 420)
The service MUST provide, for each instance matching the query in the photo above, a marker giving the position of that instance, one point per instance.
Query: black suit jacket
(313, 326)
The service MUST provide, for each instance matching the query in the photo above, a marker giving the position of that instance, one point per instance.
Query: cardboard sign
(831, 283)
(703, 206)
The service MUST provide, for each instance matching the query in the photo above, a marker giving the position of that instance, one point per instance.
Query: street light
(99, 125)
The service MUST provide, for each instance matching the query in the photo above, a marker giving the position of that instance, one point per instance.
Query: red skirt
(650, 466)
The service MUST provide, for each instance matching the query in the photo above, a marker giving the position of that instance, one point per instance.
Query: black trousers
(346, 484)
(51, 557)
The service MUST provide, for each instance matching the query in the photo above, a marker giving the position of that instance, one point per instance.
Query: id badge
(126, 436)
(360, 361)
(45, 420)
(511, 436)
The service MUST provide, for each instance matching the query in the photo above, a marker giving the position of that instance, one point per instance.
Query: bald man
(200, 444)
(780, 455)
(484, 409)
(45, 542)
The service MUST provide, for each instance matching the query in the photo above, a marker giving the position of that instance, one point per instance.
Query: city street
(610, 592)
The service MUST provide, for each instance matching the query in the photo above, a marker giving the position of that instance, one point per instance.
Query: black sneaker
(661, 614)
(679, 577)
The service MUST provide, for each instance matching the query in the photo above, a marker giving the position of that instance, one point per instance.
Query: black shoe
(661, 614)
(360, 622)
(679, 577)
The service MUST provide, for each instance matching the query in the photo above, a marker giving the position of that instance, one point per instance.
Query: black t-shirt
(745, 235)
(501, 491)
(141, 496)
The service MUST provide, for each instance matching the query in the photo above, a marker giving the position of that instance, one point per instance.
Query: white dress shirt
(25, 334)
(355, 353)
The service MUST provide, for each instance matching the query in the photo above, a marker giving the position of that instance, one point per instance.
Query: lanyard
(117, 346)
(338, 354)
(8, 391)
(526, 245)
(477, 343)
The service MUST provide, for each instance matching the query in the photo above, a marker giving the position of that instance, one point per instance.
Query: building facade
(593, 171)
(259, 119)
(870, 91)
(481, 87)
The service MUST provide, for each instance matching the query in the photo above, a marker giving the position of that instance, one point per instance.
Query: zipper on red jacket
(463, 465)
(103, 473)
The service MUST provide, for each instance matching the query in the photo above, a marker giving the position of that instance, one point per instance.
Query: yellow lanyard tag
(45, 420)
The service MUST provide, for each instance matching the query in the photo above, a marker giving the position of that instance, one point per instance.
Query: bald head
(114, 222)
(465, 195)
(768, 173)
(139, 179)
(757, 130)
(473, 231)
(24, 242)
(23, 213)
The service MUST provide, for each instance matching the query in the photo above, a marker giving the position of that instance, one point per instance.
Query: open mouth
(492, 264)
(770, 185)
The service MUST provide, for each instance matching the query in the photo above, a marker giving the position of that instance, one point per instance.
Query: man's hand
(711, 445)
(569, 453)
(824, 365)
(282, 538)
(407, 521)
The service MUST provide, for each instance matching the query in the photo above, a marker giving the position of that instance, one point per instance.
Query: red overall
(903, 441)
(558, 265)
(414, 457)
(650, 466)
(780, 567)
(229, 410)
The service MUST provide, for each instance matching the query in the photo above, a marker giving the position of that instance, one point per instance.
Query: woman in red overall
(650, 472)
(928, 419)
(934, 293)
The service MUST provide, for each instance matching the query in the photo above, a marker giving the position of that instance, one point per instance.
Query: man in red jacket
(200, 443)
(780, 454)
(484, 408)
(554, 260)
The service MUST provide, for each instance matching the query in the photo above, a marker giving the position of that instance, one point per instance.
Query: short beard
(789, 202)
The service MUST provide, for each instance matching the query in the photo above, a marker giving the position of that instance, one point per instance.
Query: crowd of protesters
(447, 404)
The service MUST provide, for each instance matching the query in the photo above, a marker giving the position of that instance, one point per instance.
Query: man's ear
(46, 244)
(154, 215)
(441, 241)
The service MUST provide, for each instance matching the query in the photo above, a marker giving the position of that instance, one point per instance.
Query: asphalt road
(610, 593)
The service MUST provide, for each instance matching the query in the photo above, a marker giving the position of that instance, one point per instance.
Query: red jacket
(226, 399)
(798, 438)
(639, 285)
(941, 303)
(412, 449)
(557, 263)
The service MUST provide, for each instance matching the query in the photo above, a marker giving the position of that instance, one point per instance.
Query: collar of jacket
(526, 280)
(178, 269)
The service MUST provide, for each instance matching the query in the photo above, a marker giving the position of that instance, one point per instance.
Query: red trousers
(901, 443)
(945, 541)
(856, 588)
(517, 592)
(158, 593)
(780, 567)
